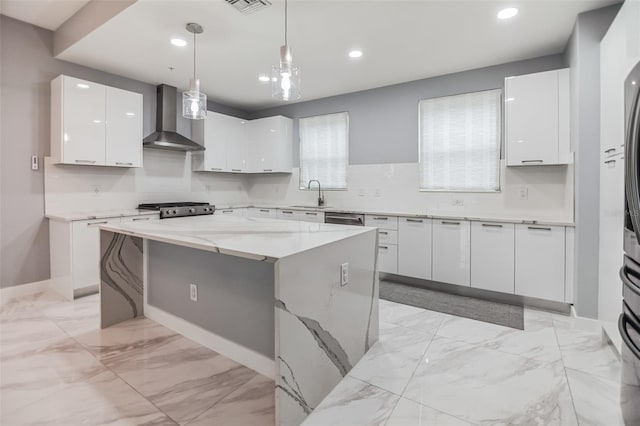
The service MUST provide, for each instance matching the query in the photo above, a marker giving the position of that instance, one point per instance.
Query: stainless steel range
(179, 209)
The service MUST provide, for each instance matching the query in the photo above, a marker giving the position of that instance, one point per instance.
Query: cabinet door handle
(384, 232)
(606, 151)
(450, 223)
(286, 212)
(265, 211)
(311, 213)
(383, 247)
(227, 211)
(85, 161)
(492, 225)
(119, 163)
(532, 161)
(609, 161)
(267, 170)
(537, 228)
(216, 169)
(136, 219)
(380, 218)
(415, 220)
(97, 223)
(236, 170)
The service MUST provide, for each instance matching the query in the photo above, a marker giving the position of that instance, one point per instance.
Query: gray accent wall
(583, 56)
(383, 122)
(27, 66)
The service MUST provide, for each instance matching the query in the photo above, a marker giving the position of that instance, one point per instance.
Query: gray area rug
(462, 306)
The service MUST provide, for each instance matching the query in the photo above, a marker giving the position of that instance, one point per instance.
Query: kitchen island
(269, 294)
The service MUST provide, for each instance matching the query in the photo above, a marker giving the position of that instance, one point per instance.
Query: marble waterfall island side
(269, 294)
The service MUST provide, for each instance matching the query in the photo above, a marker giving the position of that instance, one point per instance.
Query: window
(324, 150)
(460, 142)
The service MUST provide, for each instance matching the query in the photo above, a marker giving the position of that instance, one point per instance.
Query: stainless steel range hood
(165, 136)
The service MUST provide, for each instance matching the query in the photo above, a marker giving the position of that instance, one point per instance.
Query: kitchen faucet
(320, 196)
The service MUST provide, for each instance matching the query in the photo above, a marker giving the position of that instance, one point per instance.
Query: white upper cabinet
(124, 128)
(271, 138)
(537, 118)
(90, 124)
(243, 146)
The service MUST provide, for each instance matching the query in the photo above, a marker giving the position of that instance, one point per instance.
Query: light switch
(344, 274)
(34, 162)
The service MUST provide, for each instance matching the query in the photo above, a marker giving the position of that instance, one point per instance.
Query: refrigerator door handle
(631, 166)
(622, 327)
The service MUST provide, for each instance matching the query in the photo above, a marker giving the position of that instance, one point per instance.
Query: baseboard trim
(247, 357)
(493, 296)
(28, 289)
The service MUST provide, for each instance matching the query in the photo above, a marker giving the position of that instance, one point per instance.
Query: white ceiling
(49, 14)
(401, 40)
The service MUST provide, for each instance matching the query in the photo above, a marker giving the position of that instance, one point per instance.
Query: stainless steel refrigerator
(629, 322)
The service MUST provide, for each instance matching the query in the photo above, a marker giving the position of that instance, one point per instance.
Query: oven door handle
(622, 328)
(632, 186)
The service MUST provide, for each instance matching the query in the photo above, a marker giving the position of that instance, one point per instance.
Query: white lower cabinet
(232, 212)
(414, 247)
(301, 215)
(388, 258)
(451, 251)
(261, 212)
(492, 256)
(540, 261)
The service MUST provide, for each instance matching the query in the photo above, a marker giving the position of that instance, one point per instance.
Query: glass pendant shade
(194, 102)
(285, 78)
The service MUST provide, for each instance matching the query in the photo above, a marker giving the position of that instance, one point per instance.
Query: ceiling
(402, 41)
(49, 14)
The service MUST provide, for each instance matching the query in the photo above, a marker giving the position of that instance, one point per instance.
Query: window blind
(460, 141)
(324, 150)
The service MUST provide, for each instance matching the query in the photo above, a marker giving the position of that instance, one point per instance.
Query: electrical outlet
(193, 292)
(523, 193)
(457, 202)
(378, 192)
(344, 274)
(97, 189)
(34, 162)
(361, 192)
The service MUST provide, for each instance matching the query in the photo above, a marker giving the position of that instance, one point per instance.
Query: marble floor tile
(28, 334)
(410, 316)
(353, 402)
(596, 399)
(390, 363)
(583, 347)
(537, 340)
(77, 317)
(102, 400)
(29, 375)
(410, 413)
(180, 377)
(485, 386)
(251, 404)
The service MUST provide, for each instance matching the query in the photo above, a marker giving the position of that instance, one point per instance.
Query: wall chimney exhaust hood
(165, 136)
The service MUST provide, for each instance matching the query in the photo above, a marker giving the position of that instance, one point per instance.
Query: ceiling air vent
(249, 6)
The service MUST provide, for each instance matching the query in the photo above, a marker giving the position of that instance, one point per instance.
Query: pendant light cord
(286, 14)
(194, 57)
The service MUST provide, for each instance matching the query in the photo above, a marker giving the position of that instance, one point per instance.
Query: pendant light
(285, 78)
(194, 102)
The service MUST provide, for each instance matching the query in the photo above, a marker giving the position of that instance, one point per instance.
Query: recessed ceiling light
(82, 85)
(178, 42)
(633, 82)
(131, 114)
(355, 53)
(264, 78)
(507, 13)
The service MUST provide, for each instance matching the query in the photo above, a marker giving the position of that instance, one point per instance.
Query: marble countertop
(253, 238)
(101, 214)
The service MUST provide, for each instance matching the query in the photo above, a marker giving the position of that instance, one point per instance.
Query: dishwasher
(354, 219)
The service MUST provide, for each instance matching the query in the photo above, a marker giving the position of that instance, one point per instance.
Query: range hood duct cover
(166, 137)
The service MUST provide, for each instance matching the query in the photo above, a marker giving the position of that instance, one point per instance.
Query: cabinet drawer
(231, 212)
(308, 216)
(539, 261)
(451, 251)
(383, 222)
(261, 212)
(285, 214)
(85, 249)
(492, 256)
(387, 236)
(388, 258)
(141, 218)
(414, 247)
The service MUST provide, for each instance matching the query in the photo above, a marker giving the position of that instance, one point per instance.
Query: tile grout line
(566, 376)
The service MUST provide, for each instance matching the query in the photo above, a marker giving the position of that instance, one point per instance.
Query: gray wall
(583, 56)
(383, 122)
(26, 67)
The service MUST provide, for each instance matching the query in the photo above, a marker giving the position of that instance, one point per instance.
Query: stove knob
(192, 210)
(172, 212)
